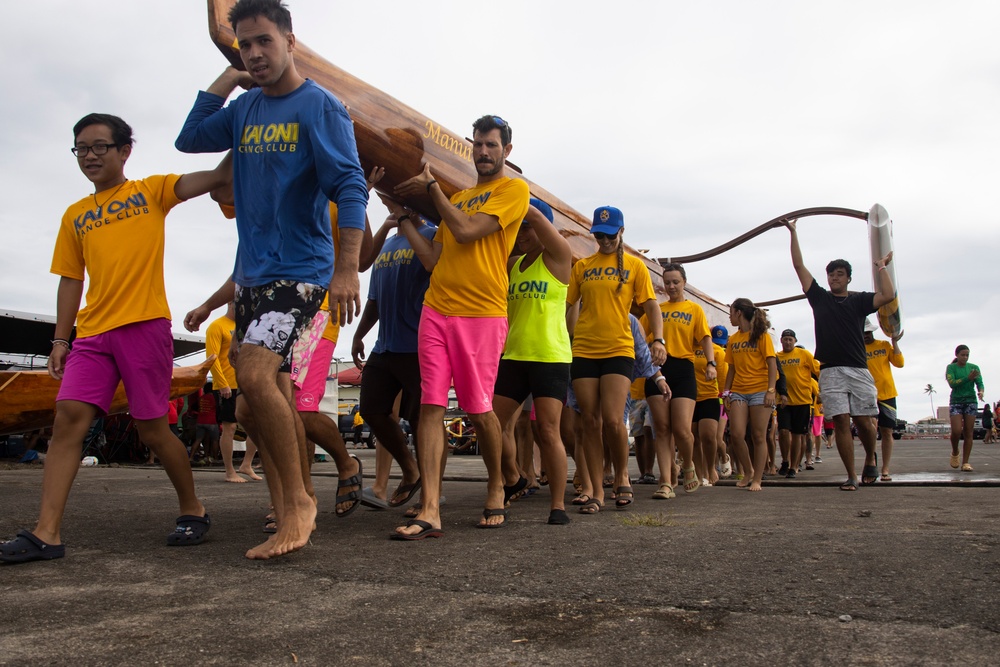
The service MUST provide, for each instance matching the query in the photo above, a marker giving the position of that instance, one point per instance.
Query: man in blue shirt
(293, 152)
(395, 300)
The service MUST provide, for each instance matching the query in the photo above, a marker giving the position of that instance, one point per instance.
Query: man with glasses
(114, 237)
(463, 324)
(294, 152)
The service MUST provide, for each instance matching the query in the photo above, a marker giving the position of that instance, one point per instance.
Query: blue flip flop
(26, 548)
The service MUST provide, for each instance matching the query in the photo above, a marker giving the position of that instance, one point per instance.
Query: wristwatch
(660, 341)
(712, 363)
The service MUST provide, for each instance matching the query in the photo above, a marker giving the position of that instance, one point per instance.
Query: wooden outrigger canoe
(394, 136)
(28, 398)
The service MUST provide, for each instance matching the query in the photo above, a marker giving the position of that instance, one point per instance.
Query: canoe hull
(28, 398)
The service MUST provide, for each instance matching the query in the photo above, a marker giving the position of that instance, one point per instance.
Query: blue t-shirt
(643, 367)
(397, 285)
(292, 155)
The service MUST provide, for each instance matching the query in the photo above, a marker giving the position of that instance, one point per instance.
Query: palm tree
(930, 391)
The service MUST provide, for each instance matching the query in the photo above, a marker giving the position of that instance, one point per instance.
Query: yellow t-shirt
(709, 389)
(817, 409)
(684, 326)
(880, 355)
(637, 390)
(750, 361)
(799, 367)
(603, 330)
(470, 279)
(120, 247)
(218, 337)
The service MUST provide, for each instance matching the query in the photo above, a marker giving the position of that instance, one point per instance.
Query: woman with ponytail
(749, 391)
(602, 289)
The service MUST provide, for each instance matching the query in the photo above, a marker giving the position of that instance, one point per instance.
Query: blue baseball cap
(543, 207)
(720, 335)
(607, 219)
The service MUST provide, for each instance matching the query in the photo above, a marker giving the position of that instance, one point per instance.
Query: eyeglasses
(96, 149)
(601, 236)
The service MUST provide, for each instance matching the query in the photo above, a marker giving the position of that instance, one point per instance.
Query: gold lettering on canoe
(447, 142)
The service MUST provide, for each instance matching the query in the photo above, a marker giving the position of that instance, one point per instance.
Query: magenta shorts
(140, 355)
(314, 388)
(463, 350)
(817, 425)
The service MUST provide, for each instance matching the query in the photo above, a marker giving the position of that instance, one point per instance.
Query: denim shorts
(756, 398)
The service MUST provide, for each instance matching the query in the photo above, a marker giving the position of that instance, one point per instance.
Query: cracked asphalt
(802, 573)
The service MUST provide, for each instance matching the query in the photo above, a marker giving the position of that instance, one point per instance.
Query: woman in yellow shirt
(685, 330)
(608, 283)
(749, 392)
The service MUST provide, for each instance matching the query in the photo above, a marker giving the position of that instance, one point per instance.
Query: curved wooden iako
(400, 139)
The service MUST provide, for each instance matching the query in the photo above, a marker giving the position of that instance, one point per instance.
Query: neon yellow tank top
(536, 315)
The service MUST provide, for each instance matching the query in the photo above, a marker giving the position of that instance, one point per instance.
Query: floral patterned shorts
(275, 315)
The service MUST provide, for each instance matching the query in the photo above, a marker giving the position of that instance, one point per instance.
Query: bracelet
(770, 390)
(727, 394)
(881, 268)
(405, 216)
(60, 341)
(429, 186)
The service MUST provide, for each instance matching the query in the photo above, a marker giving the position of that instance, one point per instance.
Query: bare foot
(293, 533)
(755, 486)
(235, 479)
(249, 472)
(742, 484)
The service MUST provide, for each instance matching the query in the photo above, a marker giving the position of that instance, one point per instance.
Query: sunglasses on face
(601, 236)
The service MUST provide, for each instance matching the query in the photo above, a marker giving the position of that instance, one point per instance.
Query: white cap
(869, 327)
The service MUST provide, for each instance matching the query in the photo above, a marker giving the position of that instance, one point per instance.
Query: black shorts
(597, 368)
(273, 316)
(795, 418)
(887, 413)
(679, 374)
(652, 388)
(385, 375)
(226, 412)
(517, 380)
(710, 408)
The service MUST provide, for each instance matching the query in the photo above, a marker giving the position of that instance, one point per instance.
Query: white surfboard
(880, 241)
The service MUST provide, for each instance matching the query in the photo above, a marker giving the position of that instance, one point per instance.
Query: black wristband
(429, 186)
(405, 216)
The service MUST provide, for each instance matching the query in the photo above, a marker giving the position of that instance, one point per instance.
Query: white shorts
(847, 391)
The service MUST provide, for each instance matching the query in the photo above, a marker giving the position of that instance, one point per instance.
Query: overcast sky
(698, 120)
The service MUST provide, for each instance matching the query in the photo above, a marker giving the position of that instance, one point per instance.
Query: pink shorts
(463, 350)
(140, 355)
(307, 397)
(818, 425)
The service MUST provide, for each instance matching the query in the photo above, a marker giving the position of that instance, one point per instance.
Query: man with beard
(463, 325)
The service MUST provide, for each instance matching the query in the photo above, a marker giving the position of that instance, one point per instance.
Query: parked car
(978, 432)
